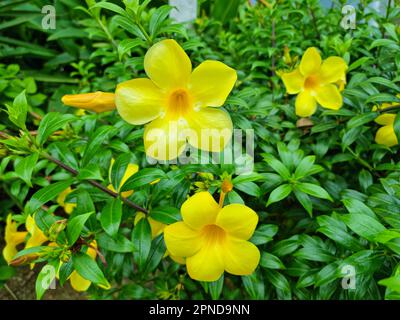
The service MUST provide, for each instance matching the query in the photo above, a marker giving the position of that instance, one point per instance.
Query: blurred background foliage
(350, 213)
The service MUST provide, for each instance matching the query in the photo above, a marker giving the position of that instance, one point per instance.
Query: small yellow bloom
(68, 207)
(12, 238)
(37, 237)
(94, 101)
(386, 135)
(213, 239)
(175, 102)
(316, 81)
(131, 169)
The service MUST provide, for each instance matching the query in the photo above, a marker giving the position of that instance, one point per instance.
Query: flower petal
(181, 240)
(305, 104)
(78, 283)
(293, 81)
(167, 65)
(139, 101)
(386, 136)
(211, 129)
(333, 69)
(238, 220)
(310, 62)
(199, 210)
(37, 237)
(207, 264)
(165, 140)
(211, 82)
(385, 119)
(240, 257)
(9, 252)
(329, 96)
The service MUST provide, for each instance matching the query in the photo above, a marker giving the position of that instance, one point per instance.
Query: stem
(361, 161)
(96, 184)
(150, 42)
(221, 199)
(10, 292)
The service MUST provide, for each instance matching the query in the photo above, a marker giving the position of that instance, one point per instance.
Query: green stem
(360, 160)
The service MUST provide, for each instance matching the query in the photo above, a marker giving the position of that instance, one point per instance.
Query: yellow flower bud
(95, 101)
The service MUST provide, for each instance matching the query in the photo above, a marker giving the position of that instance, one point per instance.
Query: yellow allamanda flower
(13, 238)
(213, 239)
(178, 105)
(68, 207)
(93, 101)
(386, 135)
(316, 81)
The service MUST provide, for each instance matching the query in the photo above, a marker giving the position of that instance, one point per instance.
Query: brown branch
(96, 184)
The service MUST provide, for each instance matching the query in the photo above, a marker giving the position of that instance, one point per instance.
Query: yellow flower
(94, 101)
(174, 101)
(68, 207)
(37, 237)
(12, 238)
(213, 239)
(316, 81)
(386, 135)
(157, 227)
(131, 169)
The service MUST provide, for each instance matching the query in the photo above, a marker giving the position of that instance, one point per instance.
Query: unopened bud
(94, 101)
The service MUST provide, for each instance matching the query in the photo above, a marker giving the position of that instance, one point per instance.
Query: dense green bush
(326, 194)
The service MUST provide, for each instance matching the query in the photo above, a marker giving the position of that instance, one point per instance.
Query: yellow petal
(78, 283)
(164, 139)
(310, 62)
(386, 119)
(199, 210)
(211, 129)
(240, 257)
(139, 101)
(181, 240)
(94, 101)
(328, 96)
(211, 82)
(131, 169)
(68, 207)
(293, 81)
(386, 136)
(12, 236)
(238, 220)
(9, 252)
(333, 69)
(177, 259)
(207, 264)
(37, 237)
(305, 104)
(167, 65)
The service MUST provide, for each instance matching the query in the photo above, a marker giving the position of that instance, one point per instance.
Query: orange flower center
(312, 82)
(213, 234)
(179, 103)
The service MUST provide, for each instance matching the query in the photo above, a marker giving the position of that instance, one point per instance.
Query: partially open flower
(213, 239)
(13, 238)
(316, 81)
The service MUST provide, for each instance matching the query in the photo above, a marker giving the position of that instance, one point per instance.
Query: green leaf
(141, 238)
(278, 166)
(91, 171)
(75, 227)
(279, 193)
(6, 273)
(361, 119)
(281, 284)
(157, 252)
(46, 194)
(25, 166)
(304, 199)
(249, 188)
(165, 214)
(254, 285)
(111, 215)
(270, 261)
(313, 190)
(215, 288)
(363, 225)
(98, 138)
(89, 270)
(157, 19)
(356, 206)
(45, 278)
(118, 170)
(115, 244)
(18, 110)
(264, 234)
(143, 177)
(304, 167)
(50, 123)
